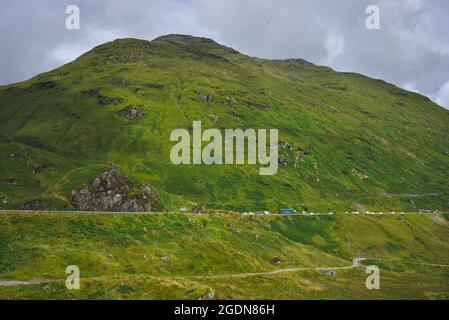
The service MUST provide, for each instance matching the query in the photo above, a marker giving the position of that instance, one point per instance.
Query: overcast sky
(411, 49)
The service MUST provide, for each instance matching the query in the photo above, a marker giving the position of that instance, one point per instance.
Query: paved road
(355, 264)
(80, 212)
(272, 214)
(255, 274)
(12, 283)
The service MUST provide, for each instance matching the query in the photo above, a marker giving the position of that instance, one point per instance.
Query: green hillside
(347, 141)
(173, 256)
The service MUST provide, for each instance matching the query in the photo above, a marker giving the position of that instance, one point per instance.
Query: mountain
(94, 134)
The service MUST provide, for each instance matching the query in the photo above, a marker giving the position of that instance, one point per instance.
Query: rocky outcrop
(34, 205)
(104, 100)
(207, 98)
(158, 86)
(112, 191)
(210, 295)
(302, 154)
(199, 209)
(283, 161)
(49, 84)
(9, 182)
(360, 174)
(133, 112)
(256, 105)
(92, 92)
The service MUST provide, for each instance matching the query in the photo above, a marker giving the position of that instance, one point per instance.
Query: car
(287, 211)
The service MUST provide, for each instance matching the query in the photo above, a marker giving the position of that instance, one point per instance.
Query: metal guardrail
(82, 212)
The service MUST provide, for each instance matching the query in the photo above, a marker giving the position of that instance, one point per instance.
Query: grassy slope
(55, 135)
(120, 255)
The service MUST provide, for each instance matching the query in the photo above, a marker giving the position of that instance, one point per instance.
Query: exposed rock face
(9, 181)
(283, 161)
(207, 98)
(34, 205)
(199, 209)
(256, 105)
(360, 174)
(46, 84)
(154, 85)
(165, 259)
(112, 191)
(302, 154)
(92, 92)
(108, 100)
(133, 112)
(208, 295)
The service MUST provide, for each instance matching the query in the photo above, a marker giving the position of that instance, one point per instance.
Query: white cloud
(410, 86)
(442, 96)
(335, 46)
(415, 4)
(69, 51)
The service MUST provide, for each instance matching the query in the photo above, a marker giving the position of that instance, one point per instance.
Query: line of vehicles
(289, 211)
(286, 211)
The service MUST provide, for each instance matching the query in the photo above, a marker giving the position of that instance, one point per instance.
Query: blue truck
(287, 211)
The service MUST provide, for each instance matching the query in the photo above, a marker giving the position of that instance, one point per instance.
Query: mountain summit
(98, 129)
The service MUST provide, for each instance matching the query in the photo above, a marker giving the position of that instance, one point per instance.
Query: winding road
(355, 264)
